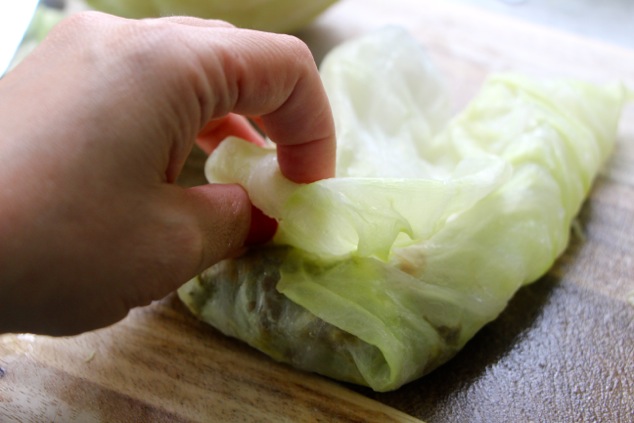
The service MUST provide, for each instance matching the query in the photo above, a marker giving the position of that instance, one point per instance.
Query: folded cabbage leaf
(432, 223)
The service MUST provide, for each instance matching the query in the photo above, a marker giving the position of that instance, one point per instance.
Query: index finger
(275, 77)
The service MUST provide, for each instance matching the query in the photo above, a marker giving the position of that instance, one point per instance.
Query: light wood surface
(562, 351)
(160, 365)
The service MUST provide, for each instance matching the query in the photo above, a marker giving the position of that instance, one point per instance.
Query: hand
(95, 127)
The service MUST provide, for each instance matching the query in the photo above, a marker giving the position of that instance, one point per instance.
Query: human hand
(97, 124)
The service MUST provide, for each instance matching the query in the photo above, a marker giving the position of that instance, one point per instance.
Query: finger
(226, 221)
(194, 21)
(257, 122)
(221, 216)
(224, 215)
(273, 76)
(232, 125)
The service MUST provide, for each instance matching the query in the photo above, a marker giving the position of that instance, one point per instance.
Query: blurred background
(608, 20)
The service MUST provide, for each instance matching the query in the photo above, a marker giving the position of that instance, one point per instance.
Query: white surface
(15, 17)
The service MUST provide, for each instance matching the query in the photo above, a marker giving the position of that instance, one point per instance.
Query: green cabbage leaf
(432, 222)
(265, 15)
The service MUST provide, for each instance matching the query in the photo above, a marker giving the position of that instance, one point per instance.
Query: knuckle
(84, 20)
(297, 48)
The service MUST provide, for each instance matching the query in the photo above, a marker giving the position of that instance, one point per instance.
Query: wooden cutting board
(562, 351)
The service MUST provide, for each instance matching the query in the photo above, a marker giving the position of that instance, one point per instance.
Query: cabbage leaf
(265, 15)
(430, 226)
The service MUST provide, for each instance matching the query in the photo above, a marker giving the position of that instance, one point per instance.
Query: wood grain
(160, 364)
(562, 351)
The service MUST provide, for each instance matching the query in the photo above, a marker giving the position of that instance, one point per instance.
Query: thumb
(222, 218)
(213, 222)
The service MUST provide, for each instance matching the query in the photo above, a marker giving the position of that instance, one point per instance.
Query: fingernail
(262, 228)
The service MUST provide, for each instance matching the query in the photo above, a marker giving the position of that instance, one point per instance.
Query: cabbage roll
(433, 221)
